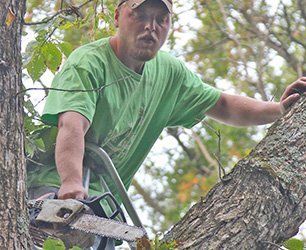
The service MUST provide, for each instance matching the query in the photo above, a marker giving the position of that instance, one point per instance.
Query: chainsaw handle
(96, 207)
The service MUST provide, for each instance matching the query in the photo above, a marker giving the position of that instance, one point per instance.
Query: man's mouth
(150, 40)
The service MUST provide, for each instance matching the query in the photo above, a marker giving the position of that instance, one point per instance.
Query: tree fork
(13, 213)
(264, 200)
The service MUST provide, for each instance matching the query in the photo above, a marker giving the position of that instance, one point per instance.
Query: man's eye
(162, 20)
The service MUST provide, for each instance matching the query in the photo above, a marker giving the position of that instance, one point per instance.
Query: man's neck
(128, 61)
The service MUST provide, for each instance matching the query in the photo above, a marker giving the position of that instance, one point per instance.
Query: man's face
(142, 31)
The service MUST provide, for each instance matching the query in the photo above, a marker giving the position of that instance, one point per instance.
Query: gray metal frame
(107, 164)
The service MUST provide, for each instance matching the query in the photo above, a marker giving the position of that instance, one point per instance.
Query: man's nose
(151, 25)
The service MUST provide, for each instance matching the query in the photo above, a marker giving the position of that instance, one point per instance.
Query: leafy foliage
(54, 244)
(294, 244)
(246, 46)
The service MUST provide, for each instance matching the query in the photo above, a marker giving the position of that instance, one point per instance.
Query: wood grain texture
(263, 201)
(13, 214)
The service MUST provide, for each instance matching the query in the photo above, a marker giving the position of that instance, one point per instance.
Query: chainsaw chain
(97, 219)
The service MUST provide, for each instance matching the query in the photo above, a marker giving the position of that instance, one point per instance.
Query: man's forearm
(244, 111)
(69, 154)
(264, 112)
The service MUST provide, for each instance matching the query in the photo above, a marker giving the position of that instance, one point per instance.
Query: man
(132, 91)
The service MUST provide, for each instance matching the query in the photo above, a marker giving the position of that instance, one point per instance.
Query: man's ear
(116, 18)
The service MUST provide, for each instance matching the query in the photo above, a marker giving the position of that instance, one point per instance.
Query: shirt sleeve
(76, 89)
(193, 100)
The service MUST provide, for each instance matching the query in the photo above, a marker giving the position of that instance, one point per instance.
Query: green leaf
(36, 67)
(66, 48)
(42, 34)
(53, 244)
(66, 25)
(40, 144)
(28, 53)
(29, 148)
(75, 248)
(52, 56)
(294, 244)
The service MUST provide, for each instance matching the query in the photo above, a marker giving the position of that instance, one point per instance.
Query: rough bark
(264, 200)
(13, 215)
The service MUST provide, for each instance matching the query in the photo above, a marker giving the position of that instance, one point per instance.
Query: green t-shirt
(127, 111)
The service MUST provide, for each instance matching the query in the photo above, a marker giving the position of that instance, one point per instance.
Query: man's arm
(69, 153)
(244, 111)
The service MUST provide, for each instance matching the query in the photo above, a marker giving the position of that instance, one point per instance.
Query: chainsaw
(85, 223)
(78, 222)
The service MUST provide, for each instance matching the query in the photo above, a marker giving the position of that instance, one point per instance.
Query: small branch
(147, 198)
(173, 132)
(204, 150)
(218, 154)
(83, 4)
(260, 72)
(35, 162)
(301, 5)
(43, 21)
(74, 90)
(276, 245)
(289, 29)
(40, 101)
(62, 3)
(278, 45)
(68, 11)
(66, 90)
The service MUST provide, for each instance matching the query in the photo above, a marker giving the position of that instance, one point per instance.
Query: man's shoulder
(90, 52)
(167, 61)
(167, 57)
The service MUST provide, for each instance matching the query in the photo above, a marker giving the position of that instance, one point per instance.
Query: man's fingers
(290, 100)
(80, 195)
(299, 87)
(45, 196)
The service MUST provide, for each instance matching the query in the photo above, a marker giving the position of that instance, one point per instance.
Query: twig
(217, 156)
(35, 162)
(74, 90)
(40, 101)
(276, 245)
(43, 21)
(67, 10)
(80, 6)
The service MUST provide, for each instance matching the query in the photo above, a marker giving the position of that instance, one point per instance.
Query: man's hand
(292, 93)
(72, 190)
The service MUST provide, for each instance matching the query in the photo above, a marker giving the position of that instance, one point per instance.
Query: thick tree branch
(264, 199)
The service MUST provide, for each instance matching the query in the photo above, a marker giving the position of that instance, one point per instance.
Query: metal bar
(86, 178)
(108, 164)
(109, 201)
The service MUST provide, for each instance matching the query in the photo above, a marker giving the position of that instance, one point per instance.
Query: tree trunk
(13, 214)
(264, 200)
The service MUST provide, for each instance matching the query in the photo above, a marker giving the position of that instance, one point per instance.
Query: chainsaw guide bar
(74, 214)
(107, 228)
